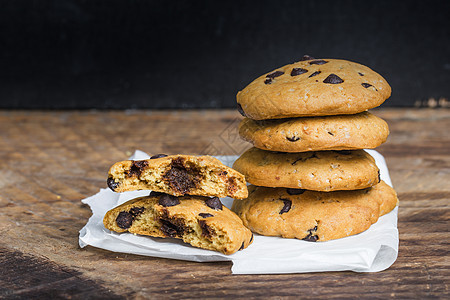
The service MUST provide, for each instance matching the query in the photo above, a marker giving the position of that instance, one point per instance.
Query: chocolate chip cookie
(314, 216)
(342, 132)
(200, 221)
(313, 87)
(178, 175)
(315, 170)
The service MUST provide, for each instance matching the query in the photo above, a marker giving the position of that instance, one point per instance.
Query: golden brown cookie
(200, 221)
(342, 132)
(314, 216)
(313, 87)
(316, 170)
(178, 175)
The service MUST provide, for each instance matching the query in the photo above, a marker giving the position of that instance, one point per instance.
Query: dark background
(192, 54)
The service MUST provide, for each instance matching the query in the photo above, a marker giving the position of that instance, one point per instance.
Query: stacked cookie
(309, 124)
(184, 201)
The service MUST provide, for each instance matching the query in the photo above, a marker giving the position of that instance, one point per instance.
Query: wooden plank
(51, 160)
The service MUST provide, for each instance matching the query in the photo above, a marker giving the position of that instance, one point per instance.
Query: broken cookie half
(178, 175)
(200, 221)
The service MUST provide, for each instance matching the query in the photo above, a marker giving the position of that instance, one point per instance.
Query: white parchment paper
(373, 250)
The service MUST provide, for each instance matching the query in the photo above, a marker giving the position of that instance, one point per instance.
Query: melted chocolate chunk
(136, 211)
(311, 237)
(360, 74)
(182, 178)
(286, 207)
(112, 184)
(205, 215)
(366, 85)
(124, 220)
(379, 176)
(158, 156)
(306, 57)
(168, 200)
(295, 191)
(292, 139)
(155, 194)
(268, 81)
(298, 71)
(170, 229)
(333, 79)
(274, 74)
(242, 246)
(314, 74)
(137, 166)
(214, 203)
(241, 110)
(344, 152)
(317, 62)
(206, 230)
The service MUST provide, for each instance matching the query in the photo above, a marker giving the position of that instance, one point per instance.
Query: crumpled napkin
(373, 250)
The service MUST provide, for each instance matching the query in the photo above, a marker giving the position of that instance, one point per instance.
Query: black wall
(186, 54)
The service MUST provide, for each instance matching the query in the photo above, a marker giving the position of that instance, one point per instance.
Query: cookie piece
(178, 175)
(314, 216)
(313, 87)
(342, 132)
(200, 221)
(316, 170)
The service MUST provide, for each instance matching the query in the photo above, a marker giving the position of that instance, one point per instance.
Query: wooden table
(52, 160)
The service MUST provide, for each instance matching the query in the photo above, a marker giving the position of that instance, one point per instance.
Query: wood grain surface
(52, 160)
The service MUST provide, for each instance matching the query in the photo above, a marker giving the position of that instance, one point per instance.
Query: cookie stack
(184, 201)
(309, 124)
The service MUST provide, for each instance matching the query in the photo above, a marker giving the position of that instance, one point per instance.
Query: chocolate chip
(170, 229)
(361, 74)
(330, 133)
(137, 166)
(112, 184)
(168, 200)
(286, 207)
(205, 215)
(251, 239)
(268, 81)
(274, 74)
(124, 220)
(298, 71)
(314, 74)
(158, 156)
(155, 194)
(311, 237)
(366, 85)
(295, 191)
(206, 230)
(317, 62)
(343, 152)
(292, 139)
(306, 57)
(214, 203)
(379, 176)
(242, 246)
(136, 211)
(182, 177)
(333, 79)
(241, 110)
